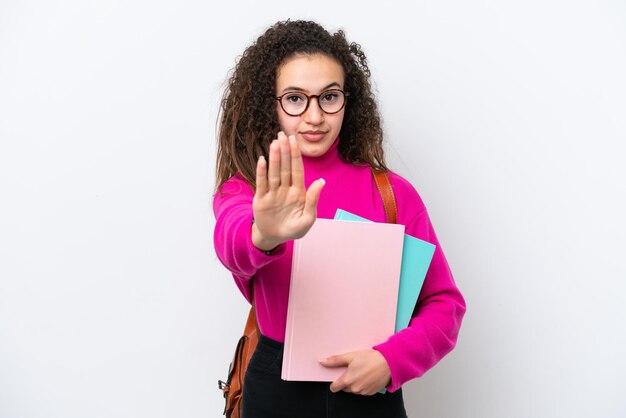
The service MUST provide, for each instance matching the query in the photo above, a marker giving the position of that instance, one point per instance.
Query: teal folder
(416, 257)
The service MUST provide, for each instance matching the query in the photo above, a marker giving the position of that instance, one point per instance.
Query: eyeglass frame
(308, 101)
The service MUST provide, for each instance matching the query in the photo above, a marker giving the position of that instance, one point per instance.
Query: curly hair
(249, 121)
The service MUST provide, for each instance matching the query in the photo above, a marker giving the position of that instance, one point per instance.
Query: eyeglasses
(296, 103)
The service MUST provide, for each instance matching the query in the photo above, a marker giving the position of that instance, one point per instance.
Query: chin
(316, 151)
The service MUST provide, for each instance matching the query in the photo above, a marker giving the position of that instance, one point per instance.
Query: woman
(298, 136)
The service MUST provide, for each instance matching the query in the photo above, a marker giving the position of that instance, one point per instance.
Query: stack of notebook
(353, 284)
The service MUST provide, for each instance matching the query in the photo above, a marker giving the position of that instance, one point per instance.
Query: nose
(314, 114)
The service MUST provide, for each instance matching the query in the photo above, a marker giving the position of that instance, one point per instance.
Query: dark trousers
(266, 395)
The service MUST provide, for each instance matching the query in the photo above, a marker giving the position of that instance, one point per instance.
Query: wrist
(260, 242)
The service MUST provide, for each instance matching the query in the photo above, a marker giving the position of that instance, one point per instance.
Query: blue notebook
(416, 257)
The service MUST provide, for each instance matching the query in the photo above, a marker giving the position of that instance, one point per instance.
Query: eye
(330, 96)
(294, 98)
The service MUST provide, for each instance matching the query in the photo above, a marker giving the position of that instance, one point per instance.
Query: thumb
(336, 361)
(313, 195)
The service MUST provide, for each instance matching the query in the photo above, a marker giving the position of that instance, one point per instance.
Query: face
(314, 130)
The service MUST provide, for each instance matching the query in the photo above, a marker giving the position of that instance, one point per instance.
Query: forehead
(309, 73)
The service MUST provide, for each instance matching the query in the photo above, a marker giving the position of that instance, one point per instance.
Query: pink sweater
(433, 330)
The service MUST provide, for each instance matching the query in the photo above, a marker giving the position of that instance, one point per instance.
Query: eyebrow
(292, 88)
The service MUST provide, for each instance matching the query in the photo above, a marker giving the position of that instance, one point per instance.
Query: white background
(509, 117)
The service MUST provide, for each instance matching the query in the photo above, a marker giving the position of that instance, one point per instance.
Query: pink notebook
(343, 294)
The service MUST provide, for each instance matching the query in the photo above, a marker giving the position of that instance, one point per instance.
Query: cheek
(287, 124)
(281, 117)
(337, 123)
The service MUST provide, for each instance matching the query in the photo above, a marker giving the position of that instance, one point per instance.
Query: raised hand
(283, 208)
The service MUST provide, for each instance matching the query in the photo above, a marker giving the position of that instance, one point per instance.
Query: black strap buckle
(222, 385)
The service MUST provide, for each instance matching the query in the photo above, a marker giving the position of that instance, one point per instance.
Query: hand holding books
(367, 372)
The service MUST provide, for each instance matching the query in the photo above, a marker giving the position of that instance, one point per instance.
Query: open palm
(283, 208)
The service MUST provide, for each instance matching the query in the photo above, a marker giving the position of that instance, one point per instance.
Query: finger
(339, 384)
(261, 176)
(336, 387)
(335, 361)
(297, 166)
(273, 173)
(285, 160)
(313, 196)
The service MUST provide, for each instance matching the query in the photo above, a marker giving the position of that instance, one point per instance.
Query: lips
(313, 136)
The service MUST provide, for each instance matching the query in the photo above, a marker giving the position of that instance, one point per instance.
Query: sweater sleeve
(232, 237)
(434, 327)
